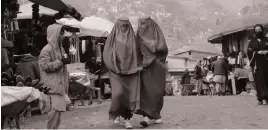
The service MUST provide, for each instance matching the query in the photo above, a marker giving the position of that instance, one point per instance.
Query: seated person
(6, 57)
(28, 66)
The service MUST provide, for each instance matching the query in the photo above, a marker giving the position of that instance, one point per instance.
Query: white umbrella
(26, 11)
(90, 26)
(95, 26)
(69, 22)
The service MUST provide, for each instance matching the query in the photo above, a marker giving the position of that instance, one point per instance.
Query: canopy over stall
(52, 4)
(26, 11)
(90, 26)
(237, 25)
(60, 6)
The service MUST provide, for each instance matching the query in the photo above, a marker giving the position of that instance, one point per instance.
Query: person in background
(153, 51)
(220, 70)
(228, 87)
(209, 63)
(6, 57)
(120, 57)
(185, 79)
(53, 73)
(28, 66)
(258, 57)
(198, 77)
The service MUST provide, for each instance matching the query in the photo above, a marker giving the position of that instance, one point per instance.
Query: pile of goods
(18, 80)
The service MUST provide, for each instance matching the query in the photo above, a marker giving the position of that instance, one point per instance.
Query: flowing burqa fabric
(259, 64)
(120, 57)
(152, 56)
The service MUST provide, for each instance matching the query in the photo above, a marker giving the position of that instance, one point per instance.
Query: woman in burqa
(152, 54)
(120, 57)
(258, 57)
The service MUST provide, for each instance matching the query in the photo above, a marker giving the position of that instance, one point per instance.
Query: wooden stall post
(233, 84)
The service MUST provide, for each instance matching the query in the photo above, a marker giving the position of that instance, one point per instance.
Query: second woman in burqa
(120, 57)
(152, 53)
(258, 56)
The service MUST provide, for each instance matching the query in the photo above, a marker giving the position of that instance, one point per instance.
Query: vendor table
(14, 102)
(87, 81)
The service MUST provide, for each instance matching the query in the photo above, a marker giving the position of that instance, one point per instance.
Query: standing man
(258, 57)
(53, 71)
(152, 57)
(220, 70)
(198, 77)
(186, 78)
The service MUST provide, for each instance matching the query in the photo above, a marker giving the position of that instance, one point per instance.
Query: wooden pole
(233, 83)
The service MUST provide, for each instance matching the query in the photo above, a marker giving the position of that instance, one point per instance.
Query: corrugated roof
(205, 47)
(237, 25)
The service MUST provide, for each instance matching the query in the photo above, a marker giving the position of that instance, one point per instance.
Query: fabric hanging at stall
(74, 48)
(225, 49)
(83, 46)
(88, 55)
(13, 25)
(237, 43)
(241, 59)
(230, 46)
(9, 26)
(241, 44)
(98, 51)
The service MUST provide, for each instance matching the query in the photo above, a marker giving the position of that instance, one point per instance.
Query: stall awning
(52, 4)
(90, 26)
(237, 25)
(26, 11)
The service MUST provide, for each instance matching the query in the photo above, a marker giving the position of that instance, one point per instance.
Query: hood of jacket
(53, 33)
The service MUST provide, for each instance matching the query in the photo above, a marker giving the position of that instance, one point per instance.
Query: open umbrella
(69, 22)
(90, 26)
(96, 26)
(237, 25)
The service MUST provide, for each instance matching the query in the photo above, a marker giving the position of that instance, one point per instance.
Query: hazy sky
(234, 5)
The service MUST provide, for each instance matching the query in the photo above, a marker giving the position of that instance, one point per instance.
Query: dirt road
(179, 112)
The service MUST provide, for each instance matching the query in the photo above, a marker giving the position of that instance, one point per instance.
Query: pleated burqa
(152, 56)
(120, 57)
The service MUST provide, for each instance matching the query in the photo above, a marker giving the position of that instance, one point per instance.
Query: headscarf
(259, 34)
(120, 52)
(151, 41)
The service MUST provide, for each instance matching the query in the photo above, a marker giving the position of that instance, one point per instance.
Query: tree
(259, 7)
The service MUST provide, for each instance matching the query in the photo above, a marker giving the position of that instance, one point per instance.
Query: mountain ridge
(184, 22)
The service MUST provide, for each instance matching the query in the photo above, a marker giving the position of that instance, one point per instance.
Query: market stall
(26, 11)
(90, 26)
(234, 37)
(19, 92)
(14, 102)
(85, 49)
(235, 34)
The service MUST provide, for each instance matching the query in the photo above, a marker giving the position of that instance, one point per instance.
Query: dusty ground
(179, 112)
